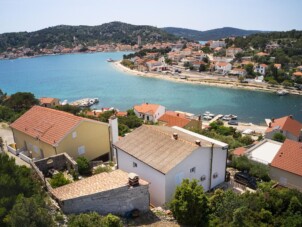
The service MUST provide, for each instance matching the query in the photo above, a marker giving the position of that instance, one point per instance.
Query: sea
(77, 76)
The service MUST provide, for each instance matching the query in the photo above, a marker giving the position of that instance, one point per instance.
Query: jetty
(216, 118)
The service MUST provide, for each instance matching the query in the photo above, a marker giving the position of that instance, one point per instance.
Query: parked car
(245, 179)
(232, 122)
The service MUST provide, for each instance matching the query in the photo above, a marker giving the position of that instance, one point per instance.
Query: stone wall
(58, 162)
(115, 201)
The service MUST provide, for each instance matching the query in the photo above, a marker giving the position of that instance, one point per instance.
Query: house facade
(232, 51)
(42, 132)
(149, 112)
(165, 156)
(223, 67)
(261, 69)
(49, 102)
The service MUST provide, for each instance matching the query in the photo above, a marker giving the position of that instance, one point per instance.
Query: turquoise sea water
(77, 76)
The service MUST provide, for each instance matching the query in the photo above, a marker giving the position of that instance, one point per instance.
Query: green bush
(58, 180)
(111, 221)
(92, 219)
(83, 166)
(279, 137)
(190, 204)
(102, 169)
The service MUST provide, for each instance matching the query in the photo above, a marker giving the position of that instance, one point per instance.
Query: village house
(288, 126)
(171, 118)
(216, 43)
(277, 66)
(42, 132)
(49, 102)
(262, 54)
(232, 51)
(261, 68)
(153, 65)
(223, 67)
(165, 156)
(296, 74)
(286, 167)
(186, 52)
(238, 72)
(149, 112)
(196, 64)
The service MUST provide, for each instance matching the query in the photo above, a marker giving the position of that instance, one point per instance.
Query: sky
(268, 15)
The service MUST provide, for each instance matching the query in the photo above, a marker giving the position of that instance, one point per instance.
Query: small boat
(207, 117)
(206, 113)
(110, 60)
(65, 102)
(282, 92)
(226, 118)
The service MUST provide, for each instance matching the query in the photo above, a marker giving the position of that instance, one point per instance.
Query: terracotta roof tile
(94, 184)
(289, 157)
(48, 124)
(286, 124)
(297, 73)
(46, 100)
(173, 120)
(147, 108)
(239, 151)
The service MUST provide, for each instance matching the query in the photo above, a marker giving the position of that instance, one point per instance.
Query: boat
(207, 117)
(207, 113)
(110, 60)
(65, 102)
(282, 92)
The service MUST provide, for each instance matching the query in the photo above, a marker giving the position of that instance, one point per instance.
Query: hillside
(68, 36)
(213, 34)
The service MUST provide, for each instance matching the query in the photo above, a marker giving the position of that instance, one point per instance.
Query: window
(192, 170)
(203, 178)
(134, 164)
(74, 135)
(215, 175)
(81, 150)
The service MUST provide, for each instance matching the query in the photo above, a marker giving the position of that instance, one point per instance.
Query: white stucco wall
(155, 178)
(219, 166)
(200, 159)
(160, 112)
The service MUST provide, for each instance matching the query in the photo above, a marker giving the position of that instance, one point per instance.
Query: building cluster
(219, 59)
(283, 159)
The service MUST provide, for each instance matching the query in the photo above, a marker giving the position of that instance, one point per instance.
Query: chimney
(113, 128)
(133, 179)
(94, 113)
(199, 117)
(198, 142)
(177, 114)
(270, 125)
(273, 120)
(291, 116)
(175, 135)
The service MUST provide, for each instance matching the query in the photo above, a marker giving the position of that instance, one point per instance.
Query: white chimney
(113, 129)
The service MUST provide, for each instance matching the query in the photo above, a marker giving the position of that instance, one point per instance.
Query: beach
(205, 80)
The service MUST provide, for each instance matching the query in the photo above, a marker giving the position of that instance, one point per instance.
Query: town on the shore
(139, 158)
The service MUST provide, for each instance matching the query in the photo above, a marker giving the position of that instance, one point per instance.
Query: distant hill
(213, 34)
(67, 36)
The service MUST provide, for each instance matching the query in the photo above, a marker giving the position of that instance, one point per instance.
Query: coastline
(203, 81)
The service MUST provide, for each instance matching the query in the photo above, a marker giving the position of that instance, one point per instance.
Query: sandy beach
(191, 79)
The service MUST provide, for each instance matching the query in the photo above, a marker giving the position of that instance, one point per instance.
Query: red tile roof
(147, 108)
(239, 151)
(286, 124)
(121, 114)
(49, 125)
(173, 120)
(289, 157)
(297, 73)
(47, 100)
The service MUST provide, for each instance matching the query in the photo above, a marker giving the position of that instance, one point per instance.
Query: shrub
(83, 166)
(111, 221)
(58, 180)
(279, 137)
(189, 204)
(102, 169)
(92, 219)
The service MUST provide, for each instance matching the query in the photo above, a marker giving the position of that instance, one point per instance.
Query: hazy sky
(31, 15)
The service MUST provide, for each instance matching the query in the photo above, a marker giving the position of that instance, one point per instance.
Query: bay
(77, 76)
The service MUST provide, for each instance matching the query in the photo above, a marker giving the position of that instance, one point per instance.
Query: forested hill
(213, 34)
(67, 36)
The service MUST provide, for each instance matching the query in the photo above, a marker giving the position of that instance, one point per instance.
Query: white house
(217, 43)
(261, 69)
(165, 156)
(149, 112)
(238, 71)
(223, 67)
(232, 51)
